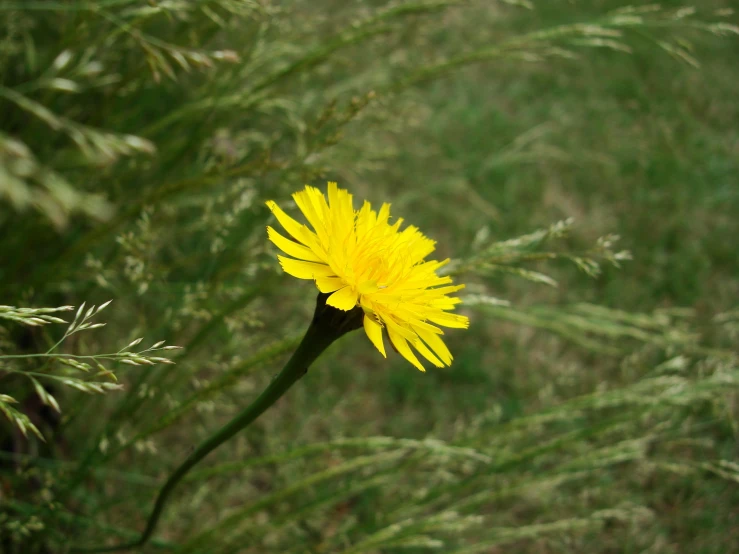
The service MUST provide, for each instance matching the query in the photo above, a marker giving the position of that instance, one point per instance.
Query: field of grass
(591, 405)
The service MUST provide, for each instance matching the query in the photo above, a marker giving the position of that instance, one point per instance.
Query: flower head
(363, 260)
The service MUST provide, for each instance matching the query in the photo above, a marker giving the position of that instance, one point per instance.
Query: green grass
(559, 428)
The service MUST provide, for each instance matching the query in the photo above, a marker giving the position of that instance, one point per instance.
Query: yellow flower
(363, 260)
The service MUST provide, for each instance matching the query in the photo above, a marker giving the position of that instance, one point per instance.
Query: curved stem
(328, 325)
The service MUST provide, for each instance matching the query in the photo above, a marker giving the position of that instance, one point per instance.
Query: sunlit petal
(374, 332)
(401, 345)
(304, 270)
(343, 299)
(292, 248)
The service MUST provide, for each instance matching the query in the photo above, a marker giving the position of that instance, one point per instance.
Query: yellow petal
(447, 290)
(315, 218)
(403, 349)
(296, 230)
(427, 279)
(319, 204)
(364, 219)
(343, 299)
(292, 248)
(368, 287)
(437, 345)
(445, 303)
(450, 320)
(418, 324)
(426, 353)
(398, 329)
(374, 332)
(333, 195)
(329, 284)
(384, 214)
(304, 270)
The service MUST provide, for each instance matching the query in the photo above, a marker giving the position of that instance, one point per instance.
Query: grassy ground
(639, 144)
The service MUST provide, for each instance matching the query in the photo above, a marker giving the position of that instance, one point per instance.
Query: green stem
(111, 356)
(328, 325)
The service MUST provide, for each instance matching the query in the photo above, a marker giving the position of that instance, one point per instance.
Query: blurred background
(592, 404)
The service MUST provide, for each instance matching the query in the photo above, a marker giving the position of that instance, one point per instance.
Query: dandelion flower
(363, 260)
